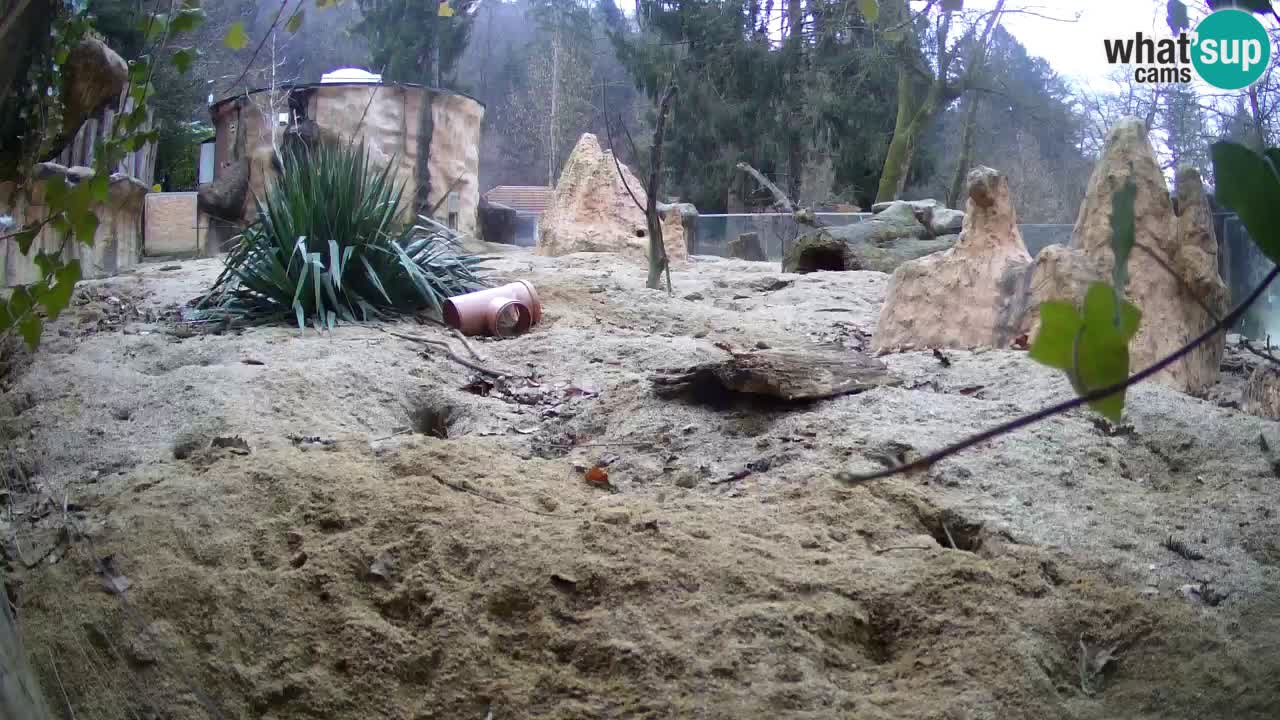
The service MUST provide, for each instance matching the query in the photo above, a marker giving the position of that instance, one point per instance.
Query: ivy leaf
(55, 193)
(182, 59)
(154, 26)
(187, 20)
(31, 329)
(47, 262)
(1247, 184)
(85, 224)
(1122, 232)
(1176, 15)
(57, 298)
(236, 38)
(870, 10)
(1102, 351)
(138, 70)
(1055, 342)
(99, 187)
(26, 238)
(295, 21)
(1091, 346)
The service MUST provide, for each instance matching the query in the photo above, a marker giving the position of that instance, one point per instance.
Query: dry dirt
(336, 569)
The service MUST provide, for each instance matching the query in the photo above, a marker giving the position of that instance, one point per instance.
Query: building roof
(522, 198)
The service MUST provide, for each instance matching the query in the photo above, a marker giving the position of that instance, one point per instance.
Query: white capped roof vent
(350, 75)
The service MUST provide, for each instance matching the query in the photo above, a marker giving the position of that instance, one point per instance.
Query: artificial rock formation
(881, 243)
(1173, 306)
(747, 247)
(593, 211)
(963, 297)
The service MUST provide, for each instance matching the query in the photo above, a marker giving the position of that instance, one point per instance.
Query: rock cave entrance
(821, 258)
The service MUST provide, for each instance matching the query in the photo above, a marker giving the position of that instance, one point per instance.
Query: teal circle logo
(1232, 49)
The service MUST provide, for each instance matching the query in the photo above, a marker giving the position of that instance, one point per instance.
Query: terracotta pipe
(507, 318)
(476, 313)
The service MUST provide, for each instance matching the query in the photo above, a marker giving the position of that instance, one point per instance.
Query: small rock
(687, 481)
(762, 345)
(689, 429)
(693, 296)
(615, 516)
(298, 560)
(294, 539)
(382, 566)
(700, 533)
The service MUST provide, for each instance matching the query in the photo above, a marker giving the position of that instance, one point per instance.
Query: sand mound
(328, 570)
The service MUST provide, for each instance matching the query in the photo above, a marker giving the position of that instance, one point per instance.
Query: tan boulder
(592, 210)
(963, 297)
(1178, 290)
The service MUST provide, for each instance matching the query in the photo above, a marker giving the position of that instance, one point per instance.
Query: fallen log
(785, 374)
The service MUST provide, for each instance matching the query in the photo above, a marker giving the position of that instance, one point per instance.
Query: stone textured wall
(117, 244)
(388, 117)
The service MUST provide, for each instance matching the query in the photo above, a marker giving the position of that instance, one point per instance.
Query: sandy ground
(328, 567)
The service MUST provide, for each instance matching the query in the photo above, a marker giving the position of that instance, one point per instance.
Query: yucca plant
(329, 245)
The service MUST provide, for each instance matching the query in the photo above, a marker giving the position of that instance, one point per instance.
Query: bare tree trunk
(657, 249)
(20, 696)
(966, 151)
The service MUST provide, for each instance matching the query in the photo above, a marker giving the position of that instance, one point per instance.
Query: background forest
(808, 91)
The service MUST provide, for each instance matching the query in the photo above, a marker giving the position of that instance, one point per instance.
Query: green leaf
(236, 38)
(1247, 184)
(1122, 232)
(55, 193)
(1102, 351)
(295, 21)
(183, 58)
(155, 26)
(187, 20)
(1176, 16)
(1092, 347)
(322, 4)
(870, 10)
(139, 70)
(47, 262)
(31, 328)
(58, 297)
(1055, 342)
(100, 187)
(85, 225)
(25, 239)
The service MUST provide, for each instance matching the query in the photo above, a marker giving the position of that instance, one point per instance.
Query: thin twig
(267, 34)
(449, 352)
(398, 433)
(608, 131)
(619, 443)
(882, 551)
(950, 539)
(66, 701)
(499, 501)
(929, 460)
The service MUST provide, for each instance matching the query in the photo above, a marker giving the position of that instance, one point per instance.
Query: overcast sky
(1074, 48)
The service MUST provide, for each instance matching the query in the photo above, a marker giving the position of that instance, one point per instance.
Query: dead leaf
(597, 475)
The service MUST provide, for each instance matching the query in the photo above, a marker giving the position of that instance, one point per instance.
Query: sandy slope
(503, 582)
